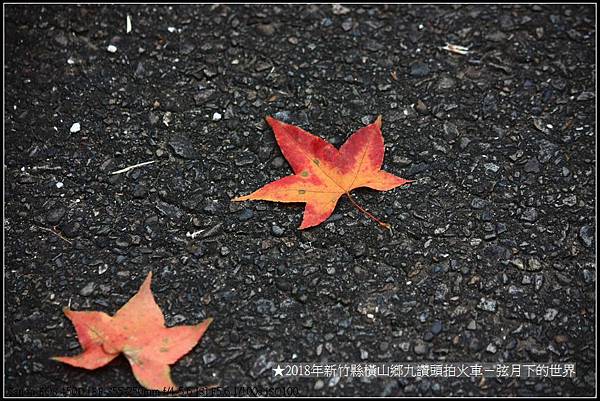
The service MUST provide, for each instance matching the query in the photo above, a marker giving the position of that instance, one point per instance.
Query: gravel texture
(492, 256)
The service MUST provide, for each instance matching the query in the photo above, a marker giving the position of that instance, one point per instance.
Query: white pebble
(492, 166)
(216, 117)
(70, 61)
(112, 48)
(59, 185)
(75, 128)
(171, 29)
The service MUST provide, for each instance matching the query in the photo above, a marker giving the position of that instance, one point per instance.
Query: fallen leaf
(322, 173)
(138, 331)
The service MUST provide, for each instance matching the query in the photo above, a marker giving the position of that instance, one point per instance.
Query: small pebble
(530, 215)
(276, 230)
(550, 314)
(209, 358)
(277, 162)
(75, 128)
(246, 215)
(535, 264)
(588, 276)
(112, 48)
(420, 106)
(70, 229)
(88, 289)
(491, 348)
(55, 215)
(532, 166)
(436, 327)
(487, 305)
(491, 166)
(420, 348)
(419, 69)
(364, 354)
(586, 233)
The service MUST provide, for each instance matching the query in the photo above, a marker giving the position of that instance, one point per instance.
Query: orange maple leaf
(138, 331)
(322, 173)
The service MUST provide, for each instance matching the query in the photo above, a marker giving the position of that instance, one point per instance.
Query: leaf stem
(369, 215)
(55, 233)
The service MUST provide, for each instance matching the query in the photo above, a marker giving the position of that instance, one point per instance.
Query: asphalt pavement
(492, 257)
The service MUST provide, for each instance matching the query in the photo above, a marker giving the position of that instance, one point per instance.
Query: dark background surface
(492, 257)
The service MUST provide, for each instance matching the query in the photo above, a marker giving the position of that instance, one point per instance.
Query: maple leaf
(138, 331)
(322, 173)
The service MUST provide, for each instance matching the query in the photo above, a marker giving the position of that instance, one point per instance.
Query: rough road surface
(492, 255)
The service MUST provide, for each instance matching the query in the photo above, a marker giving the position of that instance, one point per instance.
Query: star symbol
(278, 371)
